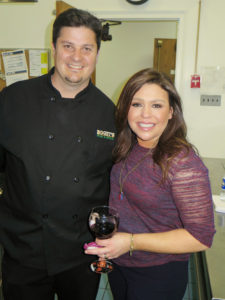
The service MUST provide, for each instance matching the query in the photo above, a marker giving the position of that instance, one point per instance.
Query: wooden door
(60, 7)
(165, 56)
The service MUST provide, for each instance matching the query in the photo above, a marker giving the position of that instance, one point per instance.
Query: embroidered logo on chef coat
(105, 134)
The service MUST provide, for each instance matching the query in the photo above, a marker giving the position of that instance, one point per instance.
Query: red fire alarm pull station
(195, 81)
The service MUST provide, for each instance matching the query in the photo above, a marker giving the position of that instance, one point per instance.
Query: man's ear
(53, 48)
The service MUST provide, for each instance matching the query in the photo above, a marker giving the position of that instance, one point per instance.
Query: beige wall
(131, 49)
(29, 25)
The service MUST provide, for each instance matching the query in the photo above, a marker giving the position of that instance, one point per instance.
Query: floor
(104, 292)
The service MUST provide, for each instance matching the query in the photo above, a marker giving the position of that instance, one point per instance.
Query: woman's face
(149, 114)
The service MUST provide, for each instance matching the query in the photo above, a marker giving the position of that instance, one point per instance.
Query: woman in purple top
(161, 189)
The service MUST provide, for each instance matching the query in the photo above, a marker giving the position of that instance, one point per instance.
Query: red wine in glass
(103, 222)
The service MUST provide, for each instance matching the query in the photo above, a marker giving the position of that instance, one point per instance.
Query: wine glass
(103, 222)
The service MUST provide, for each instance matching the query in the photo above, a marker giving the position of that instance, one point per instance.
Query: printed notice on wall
(15, 66)
(38, 62)
(213, 80)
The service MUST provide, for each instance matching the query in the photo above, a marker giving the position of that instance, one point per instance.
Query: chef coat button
(52, 99)
(76, 179)
(47, 178)
(79, 139)
(51, 136)
(45, 216)
(75, 217)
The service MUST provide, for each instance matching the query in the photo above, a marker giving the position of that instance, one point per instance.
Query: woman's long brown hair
(172, 140)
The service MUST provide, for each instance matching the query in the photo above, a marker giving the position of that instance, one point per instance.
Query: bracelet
(131, 244)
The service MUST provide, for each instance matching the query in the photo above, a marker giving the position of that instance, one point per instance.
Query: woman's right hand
(111, 248)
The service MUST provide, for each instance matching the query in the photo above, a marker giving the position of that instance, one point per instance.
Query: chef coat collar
(77, 97)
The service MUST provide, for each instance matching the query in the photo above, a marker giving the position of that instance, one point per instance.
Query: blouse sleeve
(193, 198)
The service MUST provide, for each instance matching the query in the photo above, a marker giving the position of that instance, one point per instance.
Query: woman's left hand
(113, 247)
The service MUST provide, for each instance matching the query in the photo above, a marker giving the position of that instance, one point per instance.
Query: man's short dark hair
(74, 17)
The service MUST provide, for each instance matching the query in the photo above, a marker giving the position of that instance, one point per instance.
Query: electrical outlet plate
(210, 100)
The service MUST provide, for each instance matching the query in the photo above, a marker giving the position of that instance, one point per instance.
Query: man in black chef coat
(56, 138)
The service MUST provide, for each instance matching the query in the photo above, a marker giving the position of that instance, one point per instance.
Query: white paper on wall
(212, 80)
(15, 66)
(38, 62)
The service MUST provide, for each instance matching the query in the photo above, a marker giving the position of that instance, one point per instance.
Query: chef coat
(55, 154)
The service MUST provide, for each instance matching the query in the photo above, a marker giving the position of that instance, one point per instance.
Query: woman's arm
(175, 242)
(172, 242)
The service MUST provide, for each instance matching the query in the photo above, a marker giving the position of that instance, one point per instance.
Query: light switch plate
(210, 100)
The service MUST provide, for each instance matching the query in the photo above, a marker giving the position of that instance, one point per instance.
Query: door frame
(176, 16)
